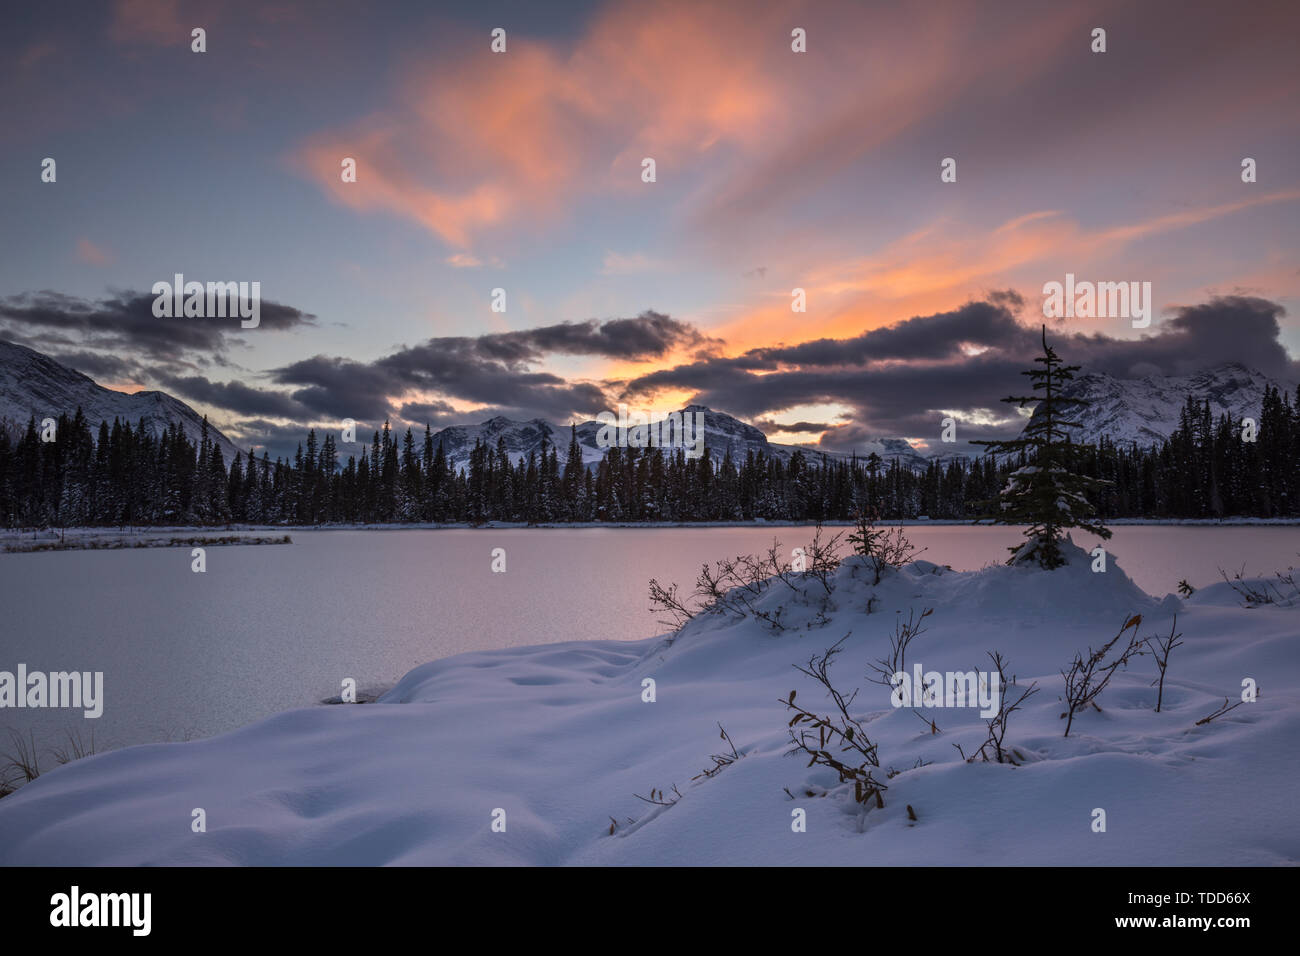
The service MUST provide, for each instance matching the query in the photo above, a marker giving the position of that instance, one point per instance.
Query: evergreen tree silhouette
(1046, 493)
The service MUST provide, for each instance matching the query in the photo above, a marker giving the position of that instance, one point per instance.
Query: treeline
(127, 476)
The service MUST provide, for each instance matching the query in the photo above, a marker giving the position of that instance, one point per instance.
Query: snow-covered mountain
(35, 384)
(1142, 410)
(1146, 410)
(722, 434)
(32, 384)
(521, 438)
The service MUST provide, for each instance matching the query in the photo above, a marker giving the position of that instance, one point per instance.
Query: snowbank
(560, 738)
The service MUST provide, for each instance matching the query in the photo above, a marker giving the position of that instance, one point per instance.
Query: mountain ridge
(1145, 411)
(1137, 410)
(723, 433)
(34, 385)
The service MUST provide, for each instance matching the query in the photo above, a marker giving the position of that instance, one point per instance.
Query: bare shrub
(1160, 648)
(1285, 592)
(19, 764)
(883, 670)
(664, 600)
(997, 724)
(660, 798)
(76, 747)
(854, 757)
(657, 797)
(882, 547)
(823, 557)
(1088, 676)
(720, 761)
(733, 586)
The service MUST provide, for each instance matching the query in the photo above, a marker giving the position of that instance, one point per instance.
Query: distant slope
(32, 384)
(722, 434)
(1145, 411)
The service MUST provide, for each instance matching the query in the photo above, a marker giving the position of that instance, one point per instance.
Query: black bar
(375, 907)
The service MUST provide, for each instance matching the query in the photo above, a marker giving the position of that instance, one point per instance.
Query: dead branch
(1220, 712)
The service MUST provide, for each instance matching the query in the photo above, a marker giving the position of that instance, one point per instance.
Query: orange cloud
(34, 54)
(938, 267)
(1195, 217)
(148, 21)
(927, 261)
(483, 139)
(90, 253)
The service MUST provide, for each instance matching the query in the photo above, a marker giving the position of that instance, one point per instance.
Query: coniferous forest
(122, 475)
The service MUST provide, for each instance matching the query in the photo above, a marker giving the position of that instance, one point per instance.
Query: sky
(522, 170)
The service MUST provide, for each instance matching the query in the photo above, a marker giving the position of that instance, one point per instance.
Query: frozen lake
(273, 627)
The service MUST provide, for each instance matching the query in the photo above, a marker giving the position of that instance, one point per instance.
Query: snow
(559, 737)
(34, 385)
(1145, 411)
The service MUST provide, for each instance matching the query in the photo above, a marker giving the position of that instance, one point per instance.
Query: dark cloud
(495, 369)
(118, 338)
(944, 335)
(281, 441)
(234, 396)
(650, 335)
(338, 387)
(101, 367)
(902, 380)
(433, 414)
(1234, 328)
(344, 388)
(124, 322)
(810, 428)
(898, 380)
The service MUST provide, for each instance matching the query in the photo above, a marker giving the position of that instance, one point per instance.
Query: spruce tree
(1046, 493)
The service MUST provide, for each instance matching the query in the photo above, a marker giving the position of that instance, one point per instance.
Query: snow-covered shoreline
(160, 530)
(561, 739)
(53, 541)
